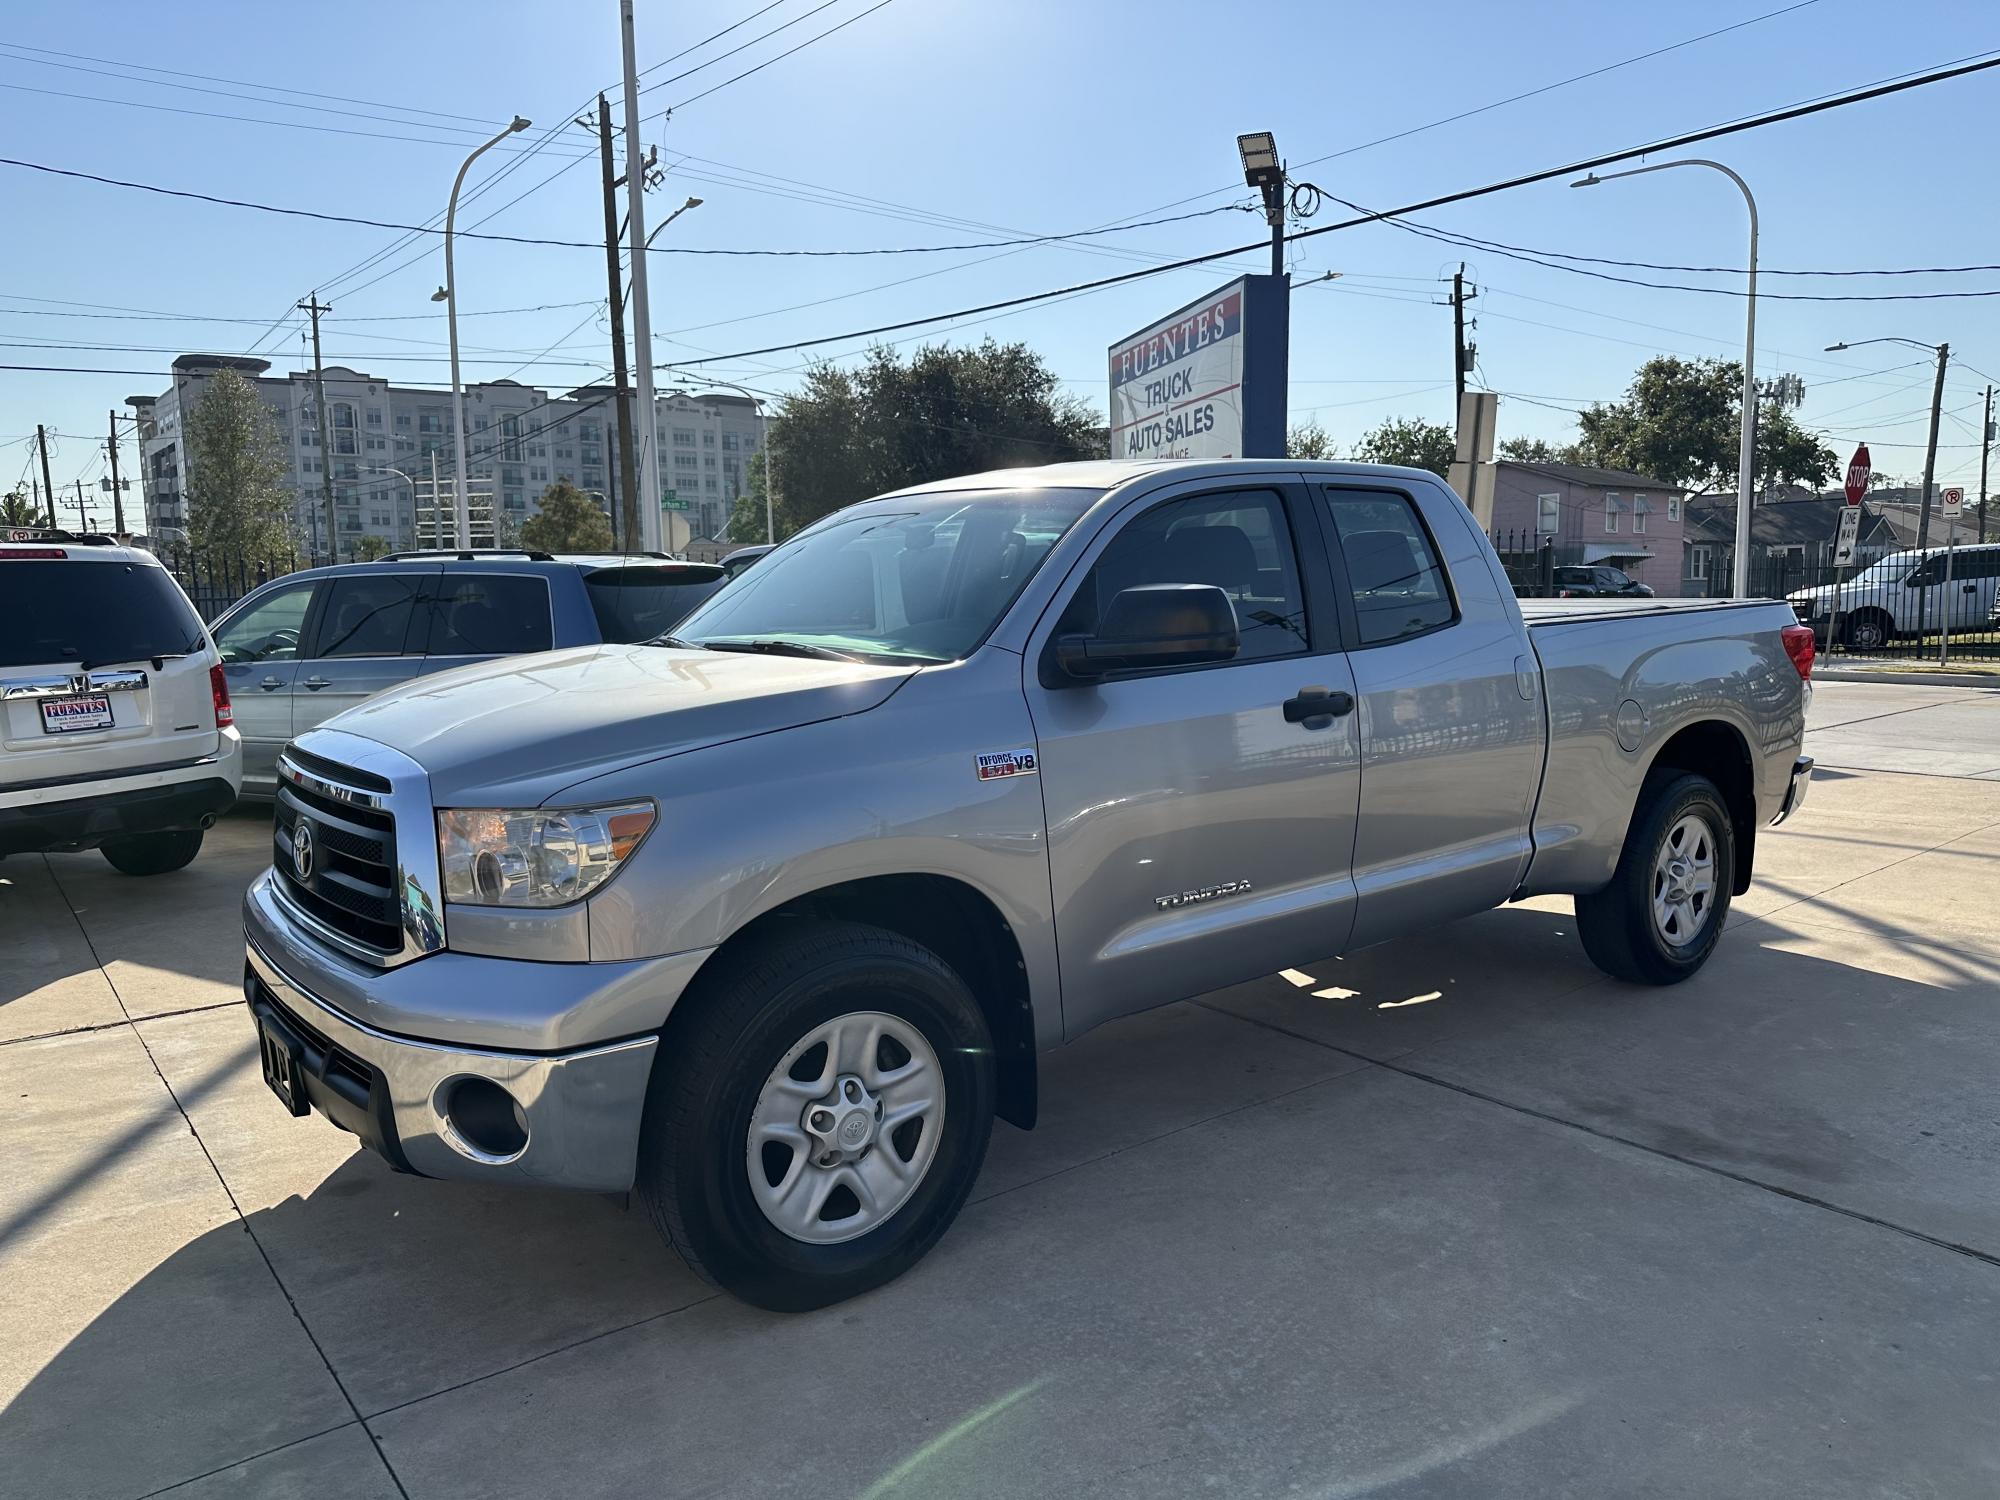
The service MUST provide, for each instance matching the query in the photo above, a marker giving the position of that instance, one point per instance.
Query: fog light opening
(482, 1120)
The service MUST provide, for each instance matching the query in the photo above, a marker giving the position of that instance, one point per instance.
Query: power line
(822, 36)
(712, 37)
(148, 315)
(740, 46)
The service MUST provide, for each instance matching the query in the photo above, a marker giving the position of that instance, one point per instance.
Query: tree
(1537, 451)
(16, 509)
(239, 503)
(569, 521)
(846, 435)
(1679, 422)
(1410, 441)
(369, 547)
(1309, 440)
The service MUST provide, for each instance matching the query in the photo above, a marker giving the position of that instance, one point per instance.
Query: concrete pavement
(1454, 1216)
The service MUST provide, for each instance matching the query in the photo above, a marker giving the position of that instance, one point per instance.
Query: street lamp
(386, 469)
(1746, 442)
(1263, 171)
(448, 294)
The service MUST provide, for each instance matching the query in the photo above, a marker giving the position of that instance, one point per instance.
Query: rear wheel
(1659, 919)
(152, 853)
(815, 1122)
(1867, 630)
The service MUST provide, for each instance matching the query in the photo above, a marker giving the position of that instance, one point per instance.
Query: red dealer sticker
(998, 763)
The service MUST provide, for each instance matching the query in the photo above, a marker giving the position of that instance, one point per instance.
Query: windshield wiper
(786, 648)
(674, 640)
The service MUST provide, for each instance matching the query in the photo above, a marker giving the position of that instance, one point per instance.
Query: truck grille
(346, 880)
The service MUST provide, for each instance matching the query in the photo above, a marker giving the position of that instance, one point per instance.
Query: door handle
(316, 683)
(1316, 708)
(271, 684)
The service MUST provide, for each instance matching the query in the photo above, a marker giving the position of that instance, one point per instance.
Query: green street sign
(671, 500)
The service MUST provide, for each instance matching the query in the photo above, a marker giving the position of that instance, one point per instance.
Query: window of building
(374, 416)
(430, 421)
(1698, 560)
(683, 438)
(566, 452)
(708, 440)
(538, 475)
(686, 461)
(1392, 567)
(708, 483)
(708, 460)
(1640, 507)
(592, 454)
(480, 424)
(1548, 514)
(1610, 512)
(1673, 507)
(343, 415)
(729, 442)
(402, 419)
(511, 477)
(590, 432)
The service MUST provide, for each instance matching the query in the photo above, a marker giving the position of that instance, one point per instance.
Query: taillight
(1800, 647)
(218, 689)
(29, 553)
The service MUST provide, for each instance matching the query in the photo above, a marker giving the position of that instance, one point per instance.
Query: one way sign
(1845, 538)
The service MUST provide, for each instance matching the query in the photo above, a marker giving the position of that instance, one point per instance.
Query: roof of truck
(1103, 474)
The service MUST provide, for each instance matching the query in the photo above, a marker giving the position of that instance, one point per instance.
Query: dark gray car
(307, 646)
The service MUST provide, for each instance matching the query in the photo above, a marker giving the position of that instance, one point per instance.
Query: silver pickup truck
(770, 918)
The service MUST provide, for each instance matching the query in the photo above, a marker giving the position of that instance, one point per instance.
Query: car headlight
(535, 856)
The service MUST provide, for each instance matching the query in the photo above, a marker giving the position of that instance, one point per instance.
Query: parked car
(1597, 581)
(742, 557)
(771, 919)
(1890, 596)
(302, 648)
(116, 731)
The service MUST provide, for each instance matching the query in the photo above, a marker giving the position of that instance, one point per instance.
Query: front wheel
(152, 853)
(1659, 919)
(1866, 631)
(816, 1120)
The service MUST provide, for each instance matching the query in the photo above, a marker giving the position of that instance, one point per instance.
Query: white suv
(115, 726)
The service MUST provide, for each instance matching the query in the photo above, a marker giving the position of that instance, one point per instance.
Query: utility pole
(117, 495)
(48, 486)
(82, 515)
(1930, 472)
(1985, 442)
(621, 378)
(642, 313)
(1463, 355)
(315, 307)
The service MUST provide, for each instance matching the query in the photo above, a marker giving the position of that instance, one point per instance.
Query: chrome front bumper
(1795, 794)
(581, 1109)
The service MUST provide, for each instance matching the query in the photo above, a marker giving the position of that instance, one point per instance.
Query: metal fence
(1530, 560)
(214, 581)
(1898, 605)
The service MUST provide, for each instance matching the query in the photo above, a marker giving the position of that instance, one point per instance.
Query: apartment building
(381, 440)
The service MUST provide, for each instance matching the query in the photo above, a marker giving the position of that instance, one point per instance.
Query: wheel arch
(1717, 749)
(960, 924)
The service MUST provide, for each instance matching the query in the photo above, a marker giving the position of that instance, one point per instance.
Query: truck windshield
(924, 581)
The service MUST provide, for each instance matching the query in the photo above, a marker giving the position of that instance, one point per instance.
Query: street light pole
(386, 469)
(448, 295)
(1747, 435)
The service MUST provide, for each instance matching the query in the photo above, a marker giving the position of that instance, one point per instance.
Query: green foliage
(1410, 441)
(1309, 440)
(17, 509)
(1538, 451)
(846, 435)
(1679, 422)
(369, 547)
(239, 500)
(569, 521)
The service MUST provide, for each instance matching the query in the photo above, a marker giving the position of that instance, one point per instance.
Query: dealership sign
(1206, 382)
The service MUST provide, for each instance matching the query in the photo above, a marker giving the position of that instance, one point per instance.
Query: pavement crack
(1418, 1075)
(165, 1015)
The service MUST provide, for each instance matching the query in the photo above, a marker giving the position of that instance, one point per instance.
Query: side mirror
(1156, 625)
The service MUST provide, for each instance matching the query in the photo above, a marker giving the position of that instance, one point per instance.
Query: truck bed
(1541, 612)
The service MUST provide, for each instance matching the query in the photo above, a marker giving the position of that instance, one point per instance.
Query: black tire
(153, 853)
(1617, 924)
(1867, 630)
(734, 1028)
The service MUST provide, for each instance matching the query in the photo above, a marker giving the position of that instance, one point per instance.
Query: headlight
(535, 857)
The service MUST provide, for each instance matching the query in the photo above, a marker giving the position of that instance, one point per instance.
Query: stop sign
(1858, 470)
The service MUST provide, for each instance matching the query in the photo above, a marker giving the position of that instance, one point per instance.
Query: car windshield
(922, 581)
(54, 613)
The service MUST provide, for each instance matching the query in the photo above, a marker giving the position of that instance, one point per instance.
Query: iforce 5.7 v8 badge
(998, 763)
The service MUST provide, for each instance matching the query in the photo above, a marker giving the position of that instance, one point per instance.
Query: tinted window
(1573, 576)
(367, 615)
(1238, 541)
(1392, 569)
(475, 615)
(636, 604)
(1983, 563)
(59, 612)
(269, 629)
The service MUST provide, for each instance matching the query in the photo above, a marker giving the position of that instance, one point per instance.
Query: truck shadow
(1791, 1061)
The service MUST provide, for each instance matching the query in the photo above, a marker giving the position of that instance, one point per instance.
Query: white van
(115, 726)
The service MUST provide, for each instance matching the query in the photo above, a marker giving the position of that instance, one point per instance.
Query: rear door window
(369, 614)
(1392, 567)
(55, 612)
(636, 604)
(473, 614)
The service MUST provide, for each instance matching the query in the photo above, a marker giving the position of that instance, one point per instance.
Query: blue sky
(935, 122)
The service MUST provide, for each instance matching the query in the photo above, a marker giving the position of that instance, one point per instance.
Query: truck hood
(522, 728)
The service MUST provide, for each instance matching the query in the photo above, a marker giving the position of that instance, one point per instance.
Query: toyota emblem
(302, 851)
